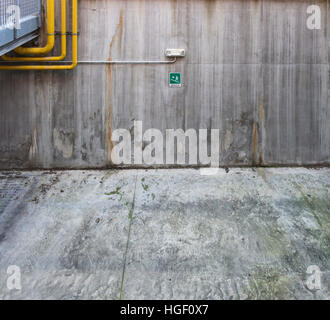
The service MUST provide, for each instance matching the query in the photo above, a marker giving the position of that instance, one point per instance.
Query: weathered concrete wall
(253, 70)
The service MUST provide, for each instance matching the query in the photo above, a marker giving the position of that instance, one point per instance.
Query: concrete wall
(253, 70)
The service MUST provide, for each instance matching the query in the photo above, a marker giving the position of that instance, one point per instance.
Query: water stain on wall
(63, 143)
(117, 36)
(34, 147)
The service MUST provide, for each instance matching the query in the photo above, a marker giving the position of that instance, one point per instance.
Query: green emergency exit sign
(175, 80)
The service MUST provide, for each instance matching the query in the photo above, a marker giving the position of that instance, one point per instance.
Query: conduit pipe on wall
(50, 37)
(74, 48)
(128, 62)
(63, 43)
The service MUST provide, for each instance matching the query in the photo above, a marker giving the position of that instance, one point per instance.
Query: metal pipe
(50, 37)
(63, 43)
(128, 62)
(74, 48)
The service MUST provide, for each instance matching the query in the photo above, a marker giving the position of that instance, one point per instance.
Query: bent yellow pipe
(74, 48)
(63, 43)
(50, 37)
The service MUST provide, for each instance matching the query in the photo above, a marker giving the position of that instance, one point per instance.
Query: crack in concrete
(131, 218)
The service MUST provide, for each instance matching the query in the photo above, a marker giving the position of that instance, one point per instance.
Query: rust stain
(261, 159)
(43, 33)
(34, 147)
(255, 4)
(257, 137)
(108, 94)
(261, 120)
(254, 143)
(118, 35)
(210, 7)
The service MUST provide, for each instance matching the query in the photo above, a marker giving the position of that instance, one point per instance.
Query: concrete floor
(165, 234)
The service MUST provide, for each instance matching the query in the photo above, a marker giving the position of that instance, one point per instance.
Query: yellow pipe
(74, 48)
(63, 43)
(50, 37)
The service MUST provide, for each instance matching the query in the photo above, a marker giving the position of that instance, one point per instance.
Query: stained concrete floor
(165, 234)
